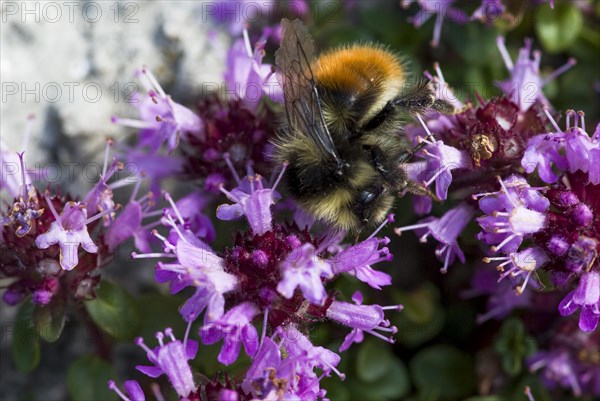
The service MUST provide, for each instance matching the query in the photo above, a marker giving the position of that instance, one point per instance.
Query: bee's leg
(416, 188)
(420, 98)
(414, 101)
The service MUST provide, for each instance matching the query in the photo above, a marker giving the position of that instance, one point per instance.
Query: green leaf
(50, 319)
(25, 341)
(558, 28)
(442, 372)
(160, 311)
(422, 317)
(394, 384)
(373, 360)
(419, 305)
(513, 344)
(87, 378)
(114, 311)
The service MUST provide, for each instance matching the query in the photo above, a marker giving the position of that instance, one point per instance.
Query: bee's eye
(367, 197)
(364, 202)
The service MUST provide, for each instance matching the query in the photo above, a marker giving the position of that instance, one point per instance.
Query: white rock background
(72, 64)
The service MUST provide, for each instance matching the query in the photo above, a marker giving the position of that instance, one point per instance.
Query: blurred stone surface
(72, 65)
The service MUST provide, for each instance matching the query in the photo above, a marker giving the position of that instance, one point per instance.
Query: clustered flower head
(274, 274)
(52, 244)
(530, 185)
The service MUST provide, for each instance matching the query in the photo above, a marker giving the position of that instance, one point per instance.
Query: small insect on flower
(342, 138)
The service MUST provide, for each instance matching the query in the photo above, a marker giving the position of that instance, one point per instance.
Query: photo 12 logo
(70, 11)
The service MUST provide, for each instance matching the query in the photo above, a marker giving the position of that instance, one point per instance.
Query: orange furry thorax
(358, 67)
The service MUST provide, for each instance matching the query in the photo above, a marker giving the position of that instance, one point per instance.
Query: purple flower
(247, 77)
(304, 268)
(521, 263)
(235, 328)
(543, 152)
(446, 230)
(442, 9)
(228, 395)
(196, 265)
(14, 175)
(189, 213)
(570, 360)
(162, 120)
(25, 210)
(359, 258)
(272, 376)
(501, 299)
(573, 149)
(587, 297)
(525, 83)
(128, 223)
(45, 290)
(516, 211)
(202, 269)
(69, 230)
(441, 160)
(558, 367)
(361, 318)
(133, 389)
(172, 360)
(253, 201)
(100, 198)
(153, 167)
(297, 345)
(267, 359)
(489, 11)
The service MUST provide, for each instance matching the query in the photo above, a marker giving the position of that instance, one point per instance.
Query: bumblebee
(341, 138)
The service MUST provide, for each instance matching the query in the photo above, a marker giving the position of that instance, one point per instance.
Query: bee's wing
(302, 104)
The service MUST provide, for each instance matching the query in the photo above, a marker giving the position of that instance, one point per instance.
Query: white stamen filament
(136, 255)
(129, 122)
(106, 154)
(231, 168)
(25, 194)
(160, 336)
(504, 52)
(100, 215)
(187, 333)
(156, 392)
(388, 219)
(552, 120)
(429, 134)
(175, 208)
(229, 195)
(53, 209)
(284, 166)
(247, 44)
(506, 241)
(113, 387)
(559, 71)
(153, 81)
